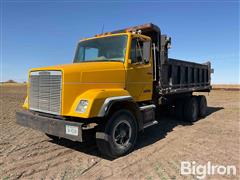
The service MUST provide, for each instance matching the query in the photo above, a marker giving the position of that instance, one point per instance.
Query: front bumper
(49, 125)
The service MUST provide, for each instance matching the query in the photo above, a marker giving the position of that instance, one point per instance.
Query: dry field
(230, 87)
(28, 154)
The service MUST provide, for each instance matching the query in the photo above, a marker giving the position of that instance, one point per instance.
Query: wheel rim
(122, 133)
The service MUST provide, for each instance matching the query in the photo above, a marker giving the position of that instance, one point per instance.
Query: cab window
(140, 51)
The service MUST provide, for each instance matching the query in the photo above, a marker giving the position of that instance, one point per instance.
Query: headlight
(82, 106)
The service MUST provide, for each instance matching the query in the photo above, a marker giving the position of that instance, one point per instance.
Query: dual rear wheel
(190, 108)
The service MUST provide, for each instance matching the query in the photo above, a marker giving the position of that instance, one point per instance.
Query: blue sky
(42, 33)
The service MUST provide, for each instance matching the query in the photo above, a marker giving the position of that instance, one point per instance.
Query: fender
(98, 102)
(108, 101)
(25, 104)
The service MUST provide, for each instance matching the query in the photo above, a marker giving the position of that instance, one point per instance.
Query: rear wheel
(179, 109)
(119, 134)
(191, 109)
(202, 104)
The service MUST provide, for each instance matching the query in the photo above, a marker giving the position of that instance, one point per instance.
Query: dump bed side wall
(181, 76)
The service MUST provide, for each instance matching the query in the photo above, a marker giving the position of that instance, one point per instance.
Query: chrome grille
(45, 91)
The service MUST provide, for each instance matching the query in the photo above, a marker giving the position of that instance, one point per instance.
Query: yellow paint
(139, 77)
(25, 104)
(96, 81)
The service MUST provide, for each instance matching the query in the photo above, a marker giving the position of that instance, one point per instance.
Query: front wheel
(118, 136)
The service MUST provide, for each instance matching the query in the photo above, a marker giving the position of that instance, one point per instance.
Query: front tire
(118, 136)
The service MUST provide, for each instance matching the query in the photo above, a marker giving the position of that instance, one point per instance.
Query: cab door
(139, 72)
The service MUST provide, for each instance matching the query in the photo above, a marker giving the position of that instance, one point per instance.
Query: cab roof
(146, 29)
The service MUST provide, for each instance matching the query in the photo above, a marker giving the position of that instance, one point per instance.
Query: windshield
(111, 48)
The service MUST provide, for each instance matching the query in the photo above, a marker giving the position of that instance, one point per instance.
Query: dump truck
(115, 88)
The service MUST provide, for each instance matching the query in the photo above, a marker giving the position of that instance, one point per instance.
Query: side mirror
(146, 52)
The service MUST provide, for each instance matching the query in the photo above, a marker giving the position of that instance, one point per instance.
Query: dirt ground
(29, 154)
(229, 87)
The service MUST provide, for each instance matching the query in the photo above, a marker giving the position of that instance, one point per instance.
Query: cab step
(150, 124)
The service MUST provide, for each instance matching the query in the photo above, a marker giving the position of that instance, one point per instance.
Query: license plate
(72, 130)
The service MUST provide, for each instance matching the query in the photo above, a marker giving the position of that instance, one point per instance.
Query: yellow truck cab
(113, 89)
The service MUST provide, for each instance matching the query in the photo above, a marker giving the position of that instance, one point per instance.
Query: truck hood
(78, 78)
(89, 72)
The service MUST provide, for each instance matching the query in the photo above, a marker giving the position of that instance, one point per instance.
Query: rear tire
(179, 109)
(202, 104)
(118, 136)
(191, 109)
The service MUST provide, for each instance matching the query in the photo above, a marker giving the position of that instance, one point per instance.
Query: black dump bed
(178, 76)
(172, 75)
